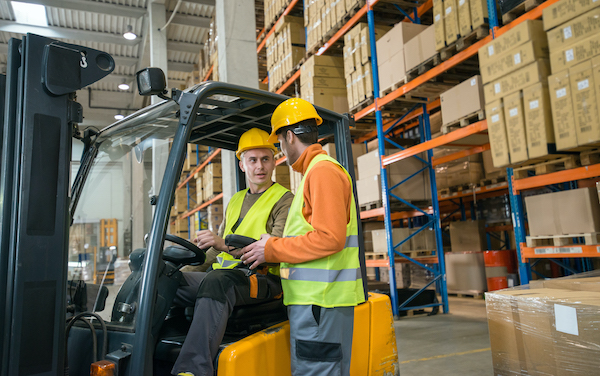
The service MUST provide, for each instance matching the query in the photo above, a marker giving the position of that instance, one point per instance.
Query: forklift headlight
(151, 81)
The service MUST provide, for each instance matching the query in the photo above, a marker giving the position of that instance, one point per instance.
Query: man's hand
(254, 254)
(206, 239)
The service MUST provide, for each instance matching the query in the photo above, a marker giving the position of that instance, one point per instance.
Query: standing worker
(320, 268)
(263, 207)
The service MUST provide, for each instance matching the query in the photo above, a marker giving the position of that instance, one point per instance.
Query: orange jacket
(327, 201)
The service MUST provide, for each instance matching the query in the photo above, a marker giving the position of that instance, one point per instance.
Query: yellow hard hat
(254, 139)
(290, 112)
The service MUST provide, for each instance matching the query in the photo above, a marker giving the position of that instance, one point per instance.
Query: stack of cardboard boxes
(322, 83)
(390, 53)
(272, 8)
(214, 214)
(574, 42)
(455, 18)
(212, 183)
(368, 184)
(281, 175)
(323, 16)
(357, 62)
(514, 70)
(463, 100)
(285, 49)
(549, 327)
(210, 56)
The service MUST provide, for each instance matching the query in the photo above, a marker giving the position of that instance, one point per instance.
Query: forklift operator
(263, 207)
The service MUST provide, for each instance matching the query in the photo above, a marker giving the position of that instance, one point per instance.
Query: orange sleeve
(327, 208)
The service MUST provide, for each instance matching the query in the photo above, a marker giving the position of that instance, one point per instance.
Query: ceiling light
(119, 117)
(129, 34)
(124, 85)
(31, 14)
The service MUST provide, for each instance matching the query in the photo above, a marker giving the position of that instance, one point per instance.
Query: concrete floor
(454, 344)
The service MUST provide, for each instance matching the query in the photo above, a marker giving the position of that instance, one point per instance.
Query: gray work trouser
(210, 317)
(321, 340)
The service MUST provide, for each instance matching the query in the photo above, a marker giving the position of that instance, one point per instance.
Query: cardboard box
(530, 30)
(565, 10)
(464, 17)
(393, 41)
(464, 173)
(587, 123)
(563, 116)
(518, 80)
(451, 21)
(467, 236)
(462, 100)
(440, 30)
(479, 13)
(334, 99)
(398, 234)
(308, 73)
(435, 122)
(351, 101)
(465, 272)
(576, 211)
(421, 47)
(365, 41)
(369, 164)
(392, 71)
(497, 133)
(415, 189)
(423, 241)
(538, 119)
(368, 79)
(212, 170)
(513, 59)
(488, 166)
(575, 54)
(515, 127)
(574, 30)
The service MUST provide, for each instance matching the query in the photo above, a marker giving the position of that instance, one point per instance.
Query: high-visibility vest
(331, 281)
(254, 223)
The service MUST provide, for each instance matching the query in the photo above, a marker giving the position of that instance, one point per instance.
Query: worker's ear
(289, 137)
(241, 164)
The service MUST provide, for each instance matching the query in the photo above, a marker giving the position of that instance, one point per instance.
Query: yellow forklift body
(267, 353)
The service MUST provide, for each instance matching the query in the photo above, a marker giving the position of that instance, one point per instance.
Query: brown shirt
(327, 205)
(275, 224)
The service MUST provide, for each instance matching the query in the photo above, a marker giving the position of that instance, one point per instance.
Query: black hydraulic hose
(94, 336)
(104, 336)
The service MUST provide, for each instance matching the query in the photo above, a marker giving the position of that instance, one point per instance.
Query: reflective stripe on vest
(254, 223)
(332, 281)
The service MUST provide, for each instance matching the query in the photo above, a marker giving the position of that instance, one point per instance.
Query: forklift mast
(40, 119)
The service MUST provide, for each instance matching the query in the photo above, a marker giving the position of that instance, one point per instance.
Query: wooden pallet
(464, 42)
(467, 294)
(423, 67)
(491, 181)
(371, 205)
(375, 256)
(395, 86)
(519, 10)
(559, 164)
(591, 238)
(362, 105)
(464, 121)
(590, 157)
(456, 189)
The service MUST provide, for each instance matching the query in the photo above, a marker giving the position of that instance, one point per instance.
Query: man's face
(258, 164)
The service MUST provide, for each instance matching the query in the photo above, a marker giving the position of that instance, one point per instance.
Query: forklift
(135, 329)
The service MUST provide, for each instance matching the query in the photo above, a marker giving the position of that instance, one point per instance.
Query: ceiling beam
(64, 33)
(92, 6)
(129, 61)
(182, 46)
(201, 2)
(189, 20)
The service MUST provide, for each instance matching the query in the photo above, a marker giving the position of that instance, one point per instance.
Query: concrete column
(237, 64)
(158, 58)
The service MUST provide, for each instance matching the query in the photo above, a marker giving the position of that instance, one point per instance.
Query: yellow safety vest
(332, 281)
(254, 223)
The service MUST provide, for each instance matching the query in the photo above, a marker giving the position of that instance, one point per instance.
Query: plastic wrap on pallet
(549, 327)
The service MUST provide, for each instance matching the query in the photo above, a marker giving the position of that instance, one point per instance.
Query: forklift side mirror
(151, 81)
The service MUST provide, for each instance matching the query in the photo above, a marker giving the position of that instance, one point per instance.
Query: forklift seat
(244, 321)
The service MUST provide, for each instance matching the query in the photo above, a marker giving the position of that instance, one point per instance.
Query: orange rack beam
(453, 61)
(208, 73)
(197, 169)
(458, 134)
(385, 262)
(478, 191)
(568, 251)
(557, 177)
(285, 13)
(460, 154)
(201, 206)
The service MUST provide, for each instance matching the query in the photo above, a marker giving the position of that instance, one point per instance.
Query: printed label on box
(473, 82)
(583, 84)
(569, 55)
(513, 112)
(534, 104)
(438, 17)
(565, 319)
(461, 2)
(495, 118)
(448, 10)
(561, 92)
(567, 33)
(490, 50)
(517, 58)
(497, 88)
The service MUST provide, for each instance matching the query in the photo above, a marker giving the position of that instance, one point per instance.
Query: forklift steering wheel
(185, 244)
